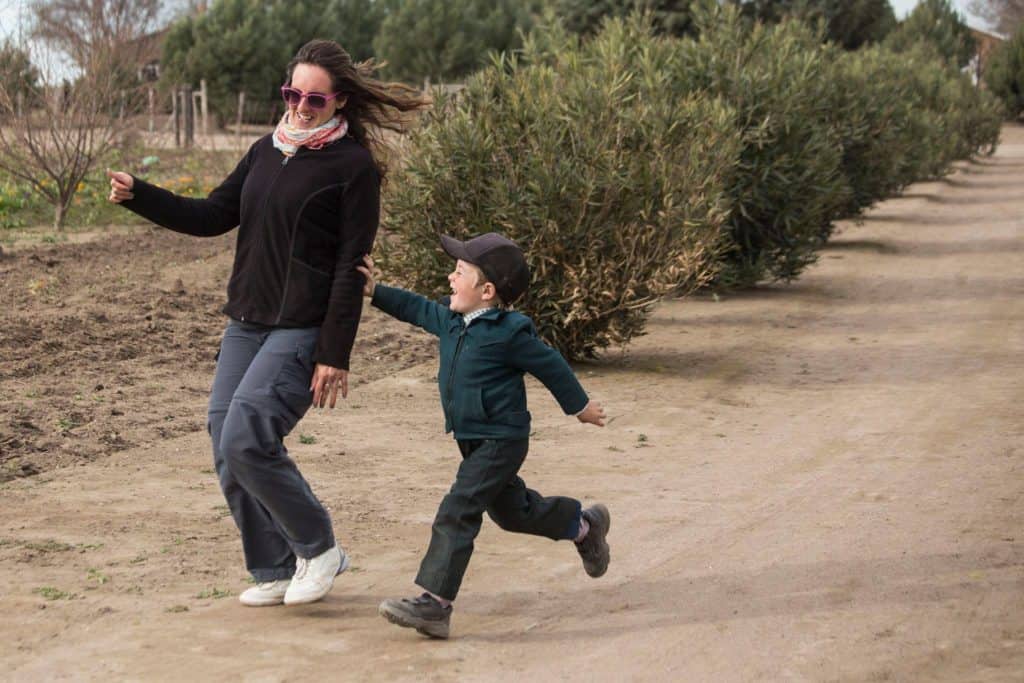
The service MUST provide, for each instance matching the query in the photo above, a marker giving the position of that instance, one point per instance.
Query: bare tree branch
(1005, 15)
(93, 32)
(56, 138)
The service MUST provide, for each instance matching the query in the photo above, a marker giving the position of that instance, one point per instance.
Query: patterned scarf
(288, 138)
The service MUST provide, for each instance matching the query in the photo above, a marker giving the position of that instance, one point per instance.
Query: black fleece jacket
(304, 224)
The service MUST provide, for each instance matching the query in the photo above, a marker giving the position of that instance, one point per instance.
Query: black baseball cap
(500, 259)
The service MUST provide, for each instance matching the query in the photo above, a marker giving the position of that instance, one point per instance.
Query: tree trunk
(60, 209)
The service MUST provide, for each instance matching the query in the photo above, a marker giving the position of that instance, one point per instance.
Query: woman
(306, 200)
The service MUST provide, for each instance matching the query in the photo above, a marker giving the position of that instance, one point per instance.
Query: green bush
(631, 165)
(585, 155)
(790, 187)
(939, 25)
(904, 117)
(974, 117)
(1004, 74)
(872, 114)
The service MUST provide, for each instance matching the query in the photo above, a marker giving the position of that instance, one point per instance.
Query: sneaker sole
(269, 602)
(305, 600)
(430, 629)
(607, 518)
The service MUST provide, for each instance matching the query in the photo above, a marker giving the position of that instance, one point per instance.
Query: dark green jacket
(482, 366)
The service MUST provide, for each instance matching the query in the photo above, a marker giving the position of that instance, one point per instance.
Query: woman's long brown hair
(373, 106)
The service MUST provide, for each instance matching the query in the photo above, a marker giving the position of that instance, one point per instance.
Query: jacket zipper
(263, 227)
(451, 372)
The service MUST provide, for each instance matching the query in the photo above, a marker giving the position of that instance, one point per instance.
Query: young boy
(485, 350)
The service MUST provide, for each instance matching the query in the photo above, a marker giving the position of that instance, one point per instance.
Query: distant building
(148, 49)
(985, 42)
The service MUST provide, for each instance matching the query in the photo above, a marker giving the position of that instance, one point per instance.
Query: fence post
(202, 105)
(238, 119)
(176, 115)
(152, 107)
(187, 106)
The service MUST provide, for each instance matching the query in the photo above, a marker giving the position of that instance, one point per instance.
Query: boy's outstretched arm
(527, 352)
(406, 306)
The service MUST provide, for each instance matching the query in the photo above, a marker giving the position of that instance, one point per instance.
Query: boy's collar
(487, 313)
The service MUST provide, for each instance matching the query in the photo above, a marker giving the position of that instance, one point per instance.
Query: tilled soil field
(110, 343)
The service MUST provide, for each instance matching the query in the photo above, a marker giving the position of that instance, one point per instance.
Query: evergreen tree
(850, 23)
(245, 45)
(1004, 75)
(853, 23)
(938, 24)
(585, 16)
(17, 73)
(447, 39)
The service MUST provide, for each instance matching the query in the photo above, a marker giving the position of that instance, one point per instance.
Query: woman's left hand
(326, 382)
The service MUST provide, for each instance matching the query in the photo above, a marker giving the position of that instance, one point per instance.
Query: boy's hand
(593, 413)
(367, 271)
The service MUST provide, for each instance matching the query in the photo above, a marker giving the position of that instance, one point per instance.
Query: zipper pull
(284, 162)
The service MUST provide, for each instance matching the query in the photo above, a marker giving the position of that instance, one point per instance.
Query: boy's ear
(489, 293)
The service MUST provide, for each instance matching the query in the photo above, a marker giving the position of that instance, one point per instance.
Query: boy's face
(470, 289)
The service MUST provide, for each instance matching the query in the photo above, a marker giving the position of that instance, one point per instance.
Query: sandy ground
(820, 481)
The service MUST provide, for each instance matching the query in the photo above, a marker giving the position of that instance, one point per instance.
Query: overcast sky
(903, 8)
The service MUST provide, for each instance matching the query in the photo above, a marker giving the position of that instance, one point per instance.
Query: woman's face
(310, 78)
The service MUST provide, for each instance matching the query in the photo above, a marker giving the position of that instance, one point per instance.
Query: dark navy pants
(488, 481)
(260, 391)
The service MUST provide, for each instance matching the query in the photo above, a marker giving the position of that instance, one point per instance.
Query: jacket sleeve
(360, 214)
(411, 308)
(529, 353)
(215, 215)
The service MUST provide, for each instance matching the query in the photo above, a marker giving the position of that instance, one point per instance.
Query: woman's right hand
(121, 185)
(367, 271)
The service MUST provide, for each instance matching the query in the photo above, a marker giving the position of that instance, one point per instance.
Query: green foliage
(193, 174)
(585, 16)
(213, 593)
(849, 23)
(972, 117)
(585, 154)
(18, 76)
(902, 118)
(873, 114)
(51, 593)
(444, 40)
(854, 23)
(1004, 74)
(16, 200)
(790, 187)
(245, 45)
(938, 24)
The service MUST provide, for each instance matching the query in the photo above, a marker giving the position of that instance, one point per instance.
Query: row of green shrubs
(632, 166)
(1004, 75)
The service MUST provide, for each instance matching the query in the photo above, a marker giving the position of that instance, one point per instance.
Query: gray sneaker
(594, 548)
(424, 614)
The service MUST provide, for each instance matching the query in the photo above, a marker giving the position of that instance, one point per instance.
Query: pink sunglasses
(315, 100)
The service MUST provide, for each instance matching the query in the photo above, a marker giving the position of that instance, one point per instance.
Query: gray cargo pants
(260, 391)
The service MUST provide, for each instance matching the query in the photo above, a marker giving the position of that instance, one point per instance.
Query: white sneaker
(314, 577)
(265, 594)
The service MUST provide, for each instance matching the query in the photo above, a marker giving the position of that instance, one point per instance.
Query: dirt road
(820, 481)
